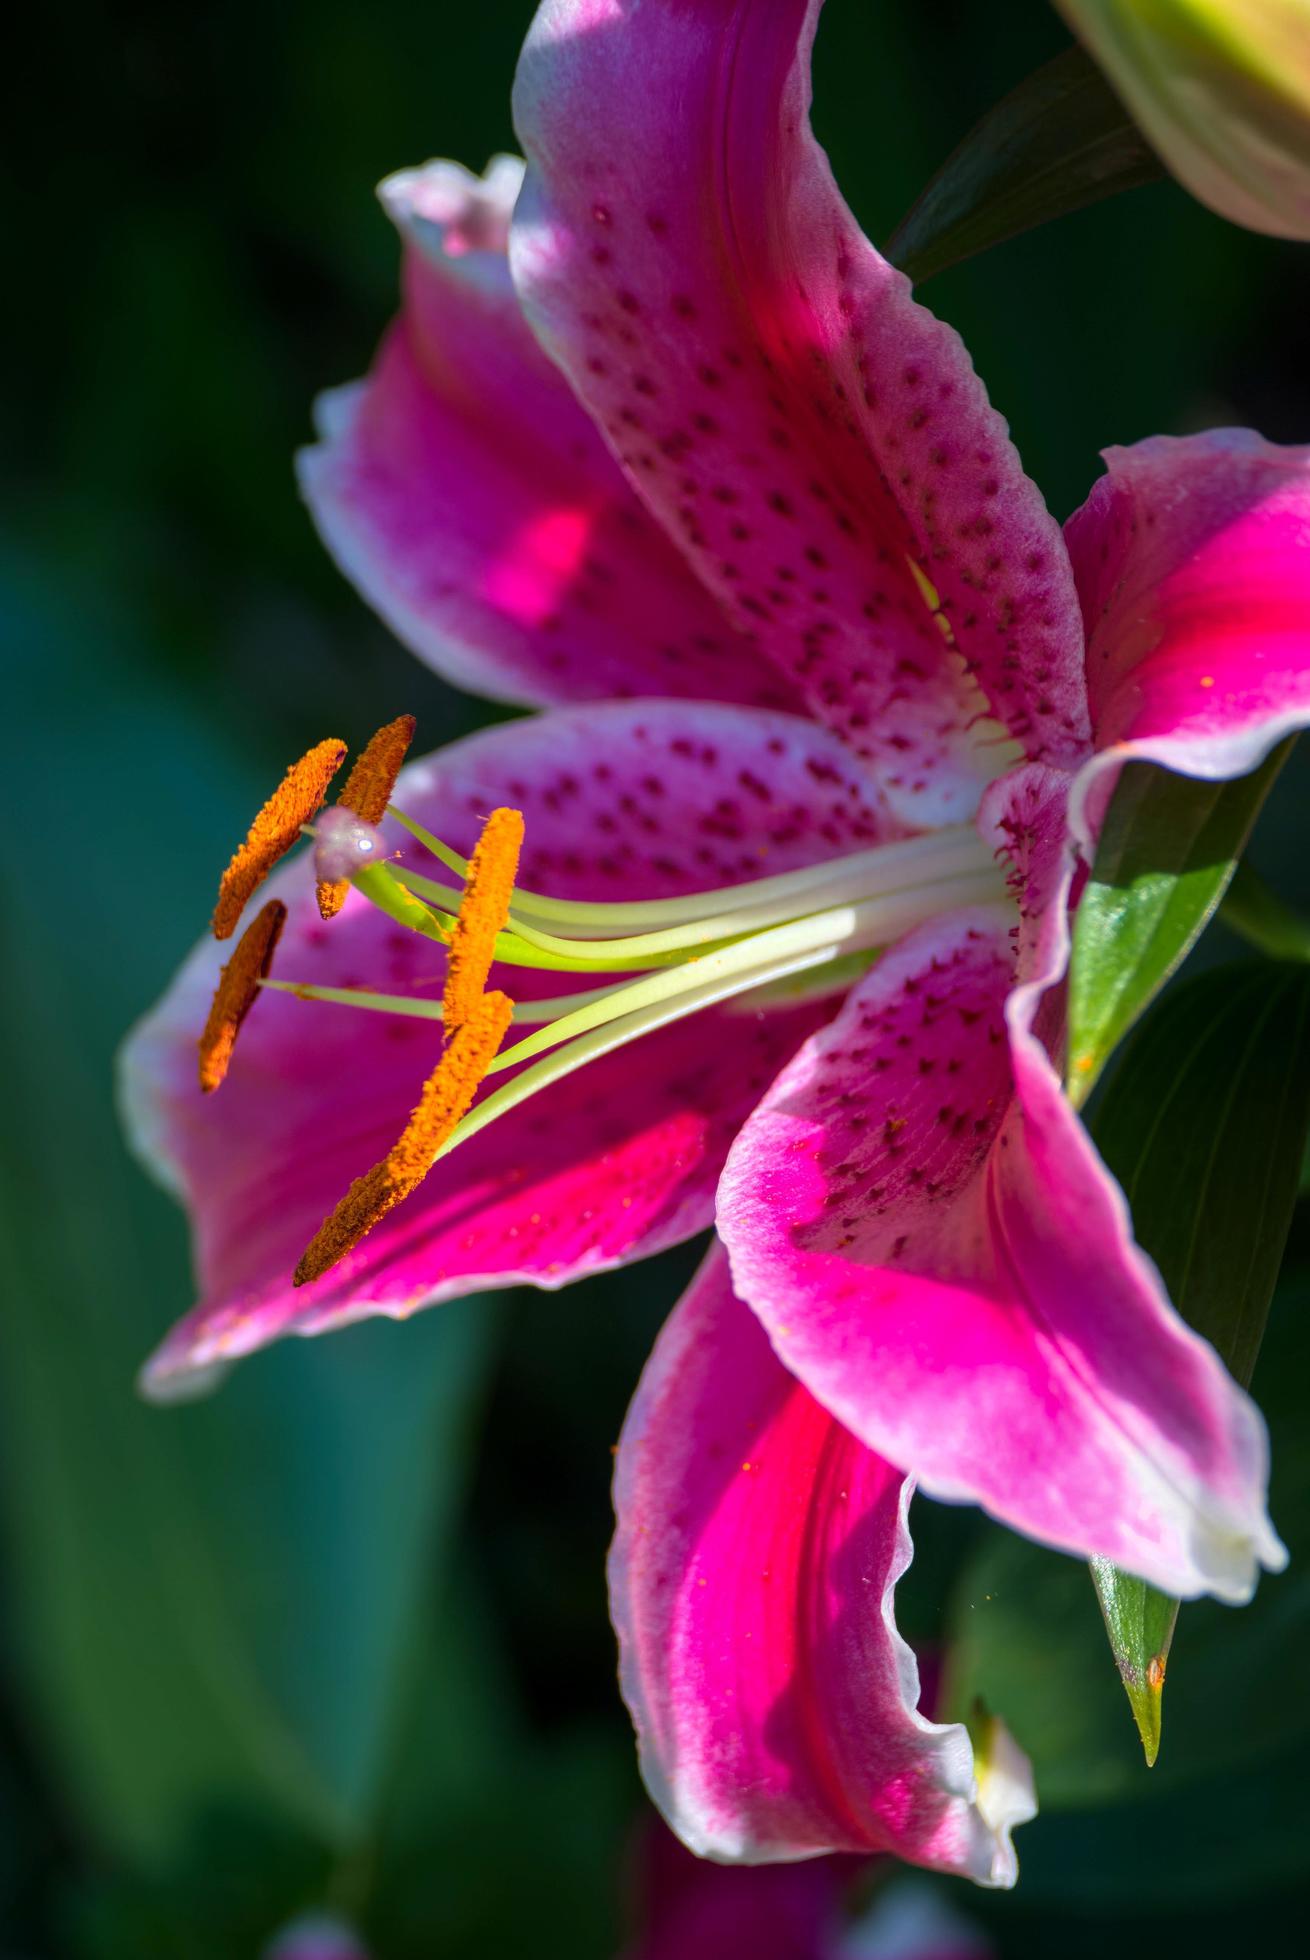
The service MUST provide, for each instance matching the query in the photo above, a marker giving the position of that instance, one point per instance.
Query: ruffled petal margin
(752, 1580)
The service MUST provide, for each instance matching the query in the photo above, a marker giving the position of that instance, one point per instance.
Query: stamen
(882, 867)
(297, 799)
(367, 794)
(932, 598)
(530, 1013)
(236, 992)
(447, 1094)
(483, 913)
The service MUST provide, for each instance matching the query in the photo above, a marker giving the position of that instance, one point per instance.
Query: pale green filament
(882, 868)
(825, 922)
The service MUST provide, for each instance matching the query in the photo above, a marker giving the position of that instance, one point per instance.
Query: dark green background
(339, 1635)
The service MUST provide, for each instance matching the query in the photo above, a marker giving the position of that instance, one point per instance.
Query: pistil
(825, 922)
(810, 930)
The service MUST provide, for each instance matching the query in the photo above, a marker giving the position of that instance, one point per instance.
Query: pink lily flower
(695, 1910)
(316, 1937)
(762, 492)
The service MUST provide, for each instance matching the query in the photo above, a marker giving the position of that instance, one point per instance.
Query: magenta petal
(316, 1938)
(1193, 563)
(950, 1269)
(799, 423)
(471, 501)
(698, 1910)
(612, 1163)
(752, 1578)
(693, 1909)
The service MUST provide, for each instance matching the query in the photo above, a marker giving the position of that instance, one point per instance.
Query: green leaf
(1205, 1125)
(1140, 1623)
(1227, 1807)
(1058, 142)
(1168, 848)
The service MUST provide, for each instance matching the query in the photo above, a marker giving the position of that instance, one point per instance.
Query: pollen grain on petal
(367, 794)
(482, 914)
(447, 1094)
(297, 799)
(234, 996)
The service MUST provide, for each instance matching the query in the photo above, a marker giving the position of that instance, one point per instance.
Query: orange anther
(234, 996)
(367, 793)
(483, 912)
(446, 1096)
(297, 798)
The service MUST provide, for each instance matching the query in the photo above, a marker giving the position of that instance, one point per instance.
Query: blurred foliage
(1059, 141)
(338, 1636)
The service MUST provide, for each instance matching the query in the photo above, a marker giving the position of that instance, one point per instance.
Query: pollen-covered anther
(297, 800)
(238, 984)
(447, 1094)
(367, 794)
(483, 913)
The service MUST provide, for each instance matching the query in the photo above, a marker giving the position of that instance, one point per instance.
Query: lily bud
(1221, 88)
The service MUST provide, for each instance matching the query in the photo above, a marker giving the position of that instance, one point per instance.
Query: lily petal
(937, 1251)
(468, 497)
(798, 422)
(693, 1909)
(752, 1582)
(610, 1164)
(1192, 556)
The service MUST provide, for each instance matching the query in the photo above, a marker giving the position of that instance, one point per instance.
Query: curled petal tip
(1006, 1797)
(466, 212)
(164, 1383)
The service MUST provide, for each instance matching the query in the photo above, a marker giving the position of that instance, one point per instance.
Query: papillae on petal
(801, 426)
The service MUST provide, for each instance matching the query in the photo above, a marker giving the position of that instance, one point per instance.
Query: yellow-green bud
(1221, 88)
